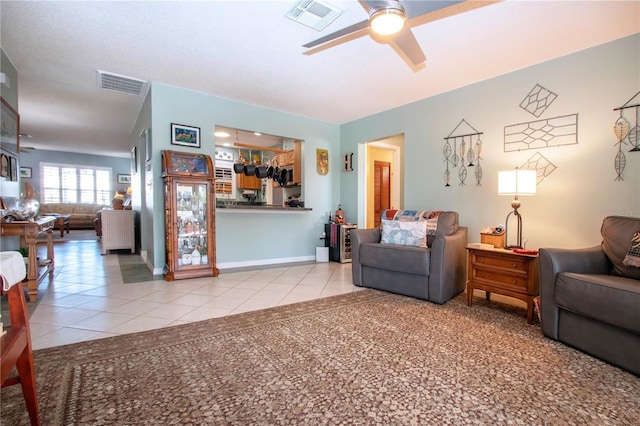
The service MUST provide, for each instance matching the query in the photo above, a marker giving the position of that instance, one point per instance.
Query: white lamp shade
(517, 182)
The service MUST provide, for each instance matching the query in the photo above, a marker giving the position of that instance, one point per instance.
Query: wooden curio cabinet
(189, 211)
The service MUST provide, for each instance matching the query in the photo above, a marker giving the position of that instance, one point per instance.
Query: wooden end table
(503, 272)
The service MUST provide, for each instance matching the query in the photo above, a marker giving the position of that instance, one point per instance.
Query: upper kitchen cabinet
(292, 161)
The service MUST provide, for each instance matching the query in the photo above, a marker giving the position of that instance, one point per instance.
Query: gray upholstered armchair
(435, 273)
(590, 298)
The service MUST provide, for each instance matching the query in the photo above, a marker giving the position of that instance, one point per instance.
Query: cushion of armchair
(447, 224)
(412, 260)
(617, 232)
(597, 296)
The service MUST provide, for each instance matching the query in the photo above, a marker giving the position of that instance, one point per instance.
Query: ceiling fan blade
(408, 44)
(364, 5)
(419, 8)
(375, 3)
(343, 32)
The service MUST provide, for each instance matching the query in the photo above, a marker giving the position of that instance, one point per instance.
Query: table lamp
(516, 182)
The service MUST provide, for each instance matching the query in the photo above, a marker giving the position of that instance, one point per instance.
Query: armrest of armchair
(448, 266)
(360, 236)
(552, 261)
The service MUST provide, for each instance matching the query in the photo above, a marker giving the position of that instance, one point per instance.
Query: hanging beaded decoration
(622, 132)
(477, 152)
(462, 173)
(471, 153)
(447, 155)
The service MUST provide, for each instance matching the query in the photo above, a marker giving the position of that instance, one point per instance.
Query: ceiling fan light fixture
(387, 20)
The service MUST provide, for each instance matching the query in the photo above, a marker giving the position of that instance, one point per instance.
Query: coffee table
(62, 223)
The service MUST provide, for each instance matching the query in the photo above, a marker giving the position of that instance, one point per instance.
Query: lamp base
(518, 243)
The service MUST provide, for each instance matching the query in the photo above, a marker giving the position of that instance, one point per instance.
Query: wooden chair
(16, 350)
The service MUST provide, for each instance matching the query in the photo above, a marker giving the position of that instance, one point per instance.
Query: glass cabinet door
(191, 209)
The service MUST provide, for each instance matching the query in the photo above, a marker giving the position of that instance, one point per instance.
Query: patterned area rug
(363, 358)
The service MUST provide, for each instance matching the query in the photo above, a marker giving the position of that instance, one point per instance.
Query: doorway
(380, 182)
(381, 189)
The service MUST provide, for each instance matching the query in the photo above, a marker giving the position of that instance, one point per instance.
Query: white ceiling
(249, 51)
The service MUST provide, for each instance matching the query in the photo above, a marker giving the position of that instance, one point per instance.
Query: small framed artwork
(322, 161)
(134, 160)
(25, 172)
(185, 135)
(13, 168)
(10, 124)
(124, 179)
(4, 159)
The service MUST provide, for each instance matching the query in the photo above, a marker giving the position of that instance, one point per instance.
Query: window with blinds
(63, 183)
(224, 180)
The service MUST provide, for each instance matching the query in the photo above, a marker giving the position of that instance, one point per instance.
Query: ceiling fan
(398, 15)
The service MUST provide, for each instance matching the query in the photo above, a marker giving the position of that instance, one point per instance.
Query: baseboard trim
(263, 262)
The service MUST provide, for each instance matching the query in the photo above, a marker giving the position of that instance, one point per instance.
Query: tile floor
(94, 296)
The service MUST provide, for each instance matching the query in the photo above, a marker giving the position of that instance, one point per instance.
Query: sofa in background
(435, 272)
(82, 216)
(590, 297)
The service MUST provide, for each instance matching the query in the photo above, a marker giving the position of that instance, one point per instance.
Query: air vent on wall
(121, 83)
(316, 14)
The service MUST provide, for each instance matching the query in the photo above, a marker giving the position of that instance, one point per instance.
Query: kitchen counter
(257, 208)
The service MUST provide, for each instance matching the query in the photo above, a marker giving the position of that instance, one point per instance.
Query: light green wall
(10, 94)
(567, 210)
(244, 238)
(570, 204)
(143, 185)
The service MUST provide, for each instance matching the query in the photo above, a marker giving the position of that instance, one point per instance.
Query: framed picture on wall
(185, 135)
(10, 125)
(4, 166)
(9, 164)
(25, 172)
(322, 161)
(124, 179)
(134, 160)
(13, 168)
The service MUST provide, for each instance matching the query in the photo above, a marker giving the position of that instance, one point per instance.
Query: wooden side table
(28, 232)
(503, 272)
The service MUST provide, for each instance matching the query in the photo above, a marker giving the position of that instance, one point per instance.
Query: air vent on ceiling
(316, 14)
(121, 83)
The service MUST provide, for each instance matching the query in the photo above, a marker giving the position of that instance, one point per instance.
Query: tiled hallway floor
(94, 296)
